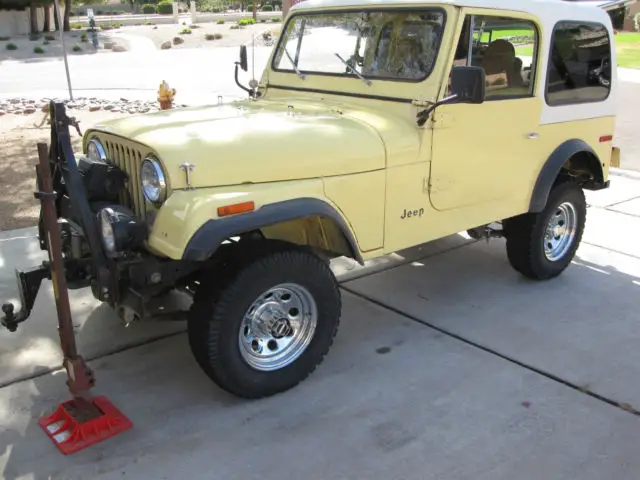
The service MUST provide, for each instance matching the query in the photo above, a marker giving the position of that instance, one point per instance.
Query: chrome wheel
(560, 232)
(278, 327)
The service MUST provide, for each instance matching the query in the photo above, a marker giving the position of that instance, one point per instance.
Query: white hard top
(585, 10)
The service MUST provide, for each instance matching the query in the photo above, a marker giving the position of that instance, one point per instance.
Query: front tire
(268, 326)
(541, 245)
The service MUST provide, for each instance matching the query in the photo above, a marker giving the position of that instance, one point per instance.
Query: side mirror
(468, 84)
(243, 58)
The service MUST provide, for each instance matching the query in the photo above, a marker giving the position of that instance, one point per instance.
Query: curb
(618, 172)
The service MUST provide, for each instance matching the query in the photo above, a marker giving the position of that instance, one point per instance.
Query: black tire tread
(522, 234)
(215, 297)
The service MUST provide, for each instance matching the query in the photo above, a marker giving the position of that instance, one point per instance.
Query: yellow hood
(254, 142)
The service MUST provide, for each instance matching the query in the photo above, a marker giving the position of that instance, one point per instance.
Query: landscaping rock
(165, 45)
(29, 110)
(2, 112)
(109, 44)
(178, 41)
(119, 48)
(94, 107)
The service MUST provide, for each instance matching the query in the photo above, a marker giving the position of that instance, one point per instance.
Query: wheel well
(320, 233)
(582, 166)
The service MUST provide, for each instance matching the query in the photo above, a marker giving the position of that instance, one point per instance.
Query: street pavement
(447, 365)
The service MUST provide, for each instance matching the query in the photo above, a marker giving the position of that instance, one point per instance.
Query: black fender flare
(551, 169)
(212, 233)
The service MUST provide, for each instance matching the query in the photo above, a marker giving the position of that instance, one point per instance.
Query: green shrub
(250, 7)
(148, 8)
(34, 36)
(246, 21)
(117, 25)
(38, 50)
(165, 7)
(11, 46)
(235, 27)
(220, 21)
(185, 31)
(98, 12)
(45, 43)
(49, 38)
(4, 39)
(193, 25)
(76, 26)
(263, 20)
(267, 8)
(77, 48)
(106, 27)
(83, 37)
(276, 19)
(150, 23)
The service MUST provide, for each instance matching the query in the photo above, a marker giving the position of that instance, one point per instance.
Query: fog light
(120, 229)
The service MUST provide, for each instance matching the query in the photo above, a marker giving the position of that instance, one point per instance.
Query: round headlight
(95, 151)
(152, 178)
(108, 237)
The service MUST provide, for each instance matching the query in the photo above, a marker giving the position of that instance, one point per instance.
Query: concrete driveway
(448, 365)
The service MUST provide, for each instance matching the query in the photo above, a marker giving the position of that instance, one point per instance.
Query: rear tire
(265, 328)
(541, 245)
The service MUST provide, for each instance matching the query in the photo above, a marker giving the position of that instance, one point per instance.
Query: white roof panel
(561, 8)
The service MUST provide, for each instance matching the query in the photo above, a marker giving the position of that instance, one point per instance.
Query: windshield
(392, 45)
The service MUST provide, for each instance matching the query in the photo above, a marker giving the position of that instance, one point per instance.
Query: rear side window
(579, 64)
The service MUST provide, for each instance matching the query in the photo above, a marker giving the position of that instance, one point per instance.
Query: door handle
(533, 136)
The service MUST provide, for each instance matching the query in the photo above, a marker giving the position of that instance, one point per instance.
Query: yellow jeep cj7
(376, 126)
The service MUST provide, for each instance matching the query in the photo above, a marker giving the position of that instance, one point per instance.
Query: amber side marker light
(236, 208)
(606, 138)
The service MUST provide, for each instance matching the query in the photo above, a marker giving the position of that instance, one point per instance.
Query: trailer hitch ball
(9, 318)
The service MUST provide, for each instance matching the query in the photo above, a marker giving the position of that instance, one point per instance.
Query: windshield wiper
(295, 65)
(356, 72)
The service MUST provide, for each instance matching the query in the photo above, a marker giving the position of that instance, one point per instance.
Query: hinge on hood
(421, 103)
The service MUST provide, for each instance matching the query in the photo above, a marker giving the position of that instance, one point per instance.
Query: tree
(46, 27)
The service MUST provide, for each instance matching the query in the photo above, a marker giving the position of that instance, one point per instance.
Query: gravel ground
(50, 45)
(19, 135)
(159, 34)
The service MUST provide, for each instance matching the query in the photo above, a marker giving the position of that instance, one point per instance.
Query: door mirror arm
(243, 64)
(424, 115)
(467, 86)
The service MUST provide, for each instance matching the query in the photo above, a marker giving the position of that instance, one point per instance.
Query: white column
(193, 11)
(175, 12)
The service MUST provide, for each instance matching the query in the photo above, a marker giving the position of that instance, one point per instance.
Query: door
(483, 153)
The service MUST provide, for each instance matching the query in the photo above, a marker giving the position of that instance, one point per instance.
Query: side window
(505, 48)
(579, 64)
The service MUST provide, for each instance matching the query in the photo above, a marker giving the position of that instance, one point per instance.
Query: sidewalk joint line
(622, 406)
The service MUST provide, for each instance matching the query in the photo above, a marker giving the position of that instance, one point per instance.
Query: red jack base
(73, 427)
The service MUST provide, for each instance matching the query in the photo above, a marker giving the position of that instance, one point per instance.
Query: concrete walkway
(448, 365)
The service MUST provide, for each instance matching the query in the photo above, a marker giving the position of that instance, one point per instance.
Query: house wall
(16, 22)
(633, 11)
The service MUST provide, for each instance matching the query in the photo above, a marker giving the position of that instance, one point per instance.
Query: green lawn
(628, 48)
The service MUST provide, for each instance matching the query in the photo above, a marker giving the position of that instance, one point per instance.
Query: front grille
(127, 156)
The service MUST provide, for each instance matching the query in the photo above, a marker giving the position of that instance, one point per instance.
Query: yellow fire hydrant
(165, 96)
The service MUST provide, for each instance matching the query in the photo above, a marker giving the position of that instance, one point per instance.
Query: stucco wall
(14, 22)
(633, 11)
